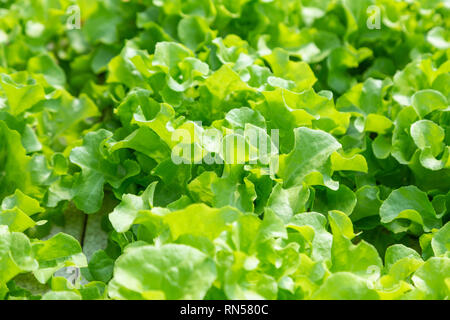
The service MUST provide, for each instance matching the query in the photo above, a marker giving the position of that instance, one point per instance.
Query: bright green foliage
(351, 199)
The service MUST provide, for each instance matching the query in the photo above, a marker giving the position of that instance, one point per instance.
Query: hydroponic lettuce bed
(129, 167)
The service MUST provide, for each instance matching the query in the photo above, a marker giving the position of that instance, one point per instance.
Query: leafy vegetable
(214, 149)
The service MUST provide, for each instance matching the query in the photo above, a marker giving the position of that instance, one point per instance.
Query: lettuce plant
(214, 149)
